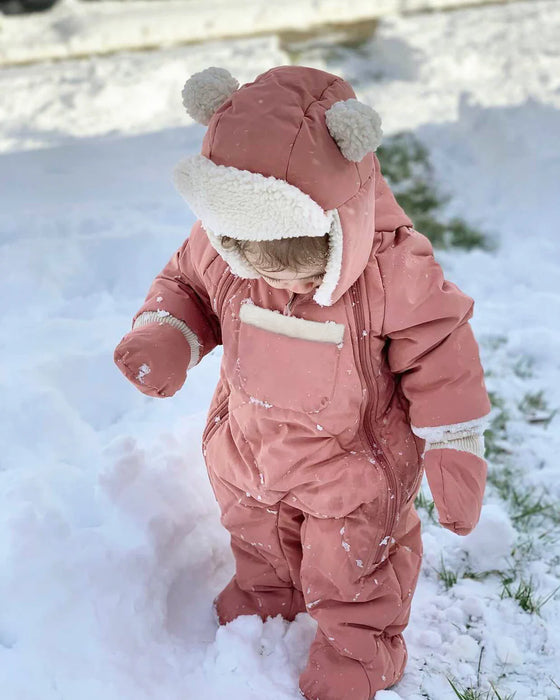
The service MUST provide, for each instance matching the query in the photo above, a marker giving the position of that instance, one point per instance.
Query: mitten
(456, 476)
(155, 358)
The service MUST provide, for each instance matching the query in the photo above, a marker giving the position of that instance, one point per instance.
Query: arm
(433, 349)
(174, 328)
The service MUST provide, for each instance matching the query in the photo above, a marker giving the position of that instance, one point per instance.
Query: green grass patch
(535, 408)
(495, 342)
(422, 501)
(447, 576)
(528, 508)
(523, 367)
(525, 594)
(495, 437)
(477, 694)
(406, 166)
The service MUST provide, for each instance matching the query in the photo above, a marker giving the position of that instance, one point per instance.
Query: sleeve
(178, 296)
(433, 349)
(431, 343)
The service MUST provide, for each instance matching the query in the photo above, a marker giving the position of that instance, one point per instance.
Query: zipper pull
(288, 309)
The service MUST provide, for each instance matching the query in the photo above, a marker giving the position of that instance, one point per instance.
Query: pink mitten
(457, 480)
(155, 358)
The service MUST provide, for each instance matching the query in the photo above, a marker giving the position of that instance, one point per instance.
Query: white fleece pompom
(355, 127)
(206, 90)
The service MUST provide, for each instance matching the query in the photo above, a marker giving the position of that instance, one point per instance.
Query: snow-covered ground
(77, 28)
(110, 543)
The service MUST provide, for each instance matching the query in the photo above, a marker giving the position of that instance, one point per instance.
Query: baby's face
(300, 282)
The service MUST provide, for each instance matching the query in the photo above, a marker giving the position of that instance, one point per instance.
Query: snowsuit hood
(269, 168)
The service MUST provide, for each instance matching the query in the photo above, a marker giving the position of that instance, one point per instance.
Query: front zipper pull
(288, 309)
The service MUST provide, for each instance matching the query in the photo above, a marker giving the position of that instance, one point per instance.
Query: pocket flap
(292, 326)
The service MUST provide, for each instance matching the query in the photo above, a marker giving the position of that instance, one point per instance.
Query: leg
(265, 542)
(361, 608)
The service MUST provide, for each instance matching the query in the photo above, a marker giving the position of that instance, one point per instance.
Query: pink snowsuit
(326, 401)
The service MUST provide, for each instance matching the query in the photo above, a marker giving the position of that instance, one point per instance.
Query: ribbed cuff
(438, 433)
(165, 317)
(473, 443)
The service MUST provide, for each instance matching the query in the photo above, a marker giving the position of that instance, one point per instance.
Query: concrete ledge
(74, 28)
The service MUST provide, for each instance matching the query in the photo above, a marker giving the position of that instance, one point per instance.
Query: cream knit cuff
(165, 317)
(473, 442)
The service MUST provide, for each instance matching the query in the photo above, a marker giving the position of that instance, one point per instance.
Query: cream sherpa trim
(441, 433)
(249, 206)
(470, 443)
(355, 126)
(333, 268)
(238, 264)
(207, 90)
(275, 322)
(246, 205)
(165, 317)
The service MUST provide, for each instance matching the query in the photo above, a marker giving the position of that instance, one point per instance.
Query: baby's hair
(283, 253)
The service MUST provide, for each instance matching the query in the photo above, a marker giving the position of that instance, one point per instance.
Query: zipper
(416, 484)
(288, 307)
(214, 421)
(368, 428)
(292, 301)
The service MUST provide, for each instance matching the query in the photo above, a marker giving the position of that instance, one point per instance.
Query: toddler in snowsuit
(346, 369)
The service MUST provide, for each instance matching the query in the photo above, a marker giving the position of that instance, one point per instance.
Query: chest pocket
(287, 361)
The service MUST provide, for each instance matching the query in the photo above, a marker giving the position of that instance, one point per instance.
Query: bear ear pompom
(205, 91)
(355, 127)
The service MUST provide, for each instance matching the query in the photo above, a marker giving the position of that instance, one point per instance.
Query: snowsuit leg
(265, 541)
(361, 608)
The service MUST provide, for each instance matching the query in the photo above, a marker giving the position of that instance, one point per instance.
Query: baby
(349, 366)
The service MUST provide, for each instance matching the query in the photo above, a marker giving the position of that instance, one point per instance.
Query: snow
(143, 370)
(74, 28)
(463, 648)
(508, 652)
(490, 543)
(110, 538)
(264, 404)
